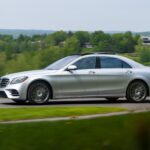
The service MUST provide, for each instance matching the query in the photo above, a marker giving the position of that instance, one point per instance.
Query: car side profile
(79, 76)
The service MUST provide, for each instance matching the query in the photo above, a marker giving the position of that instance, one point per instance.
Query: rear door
(113, 76)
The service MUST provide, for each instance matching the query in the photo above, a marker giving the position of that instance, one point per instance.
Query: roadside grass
(126, 132)
(9, 114)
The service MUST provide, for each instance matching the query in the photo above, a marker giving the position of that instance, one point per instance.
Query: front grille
(4, 82)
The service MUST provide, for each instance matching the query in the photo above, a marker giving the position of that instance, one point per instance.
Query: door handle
(91, 72)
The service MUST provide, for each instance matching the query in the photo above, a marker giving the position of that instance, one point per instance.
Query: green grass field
(127, 132)
(8, 114)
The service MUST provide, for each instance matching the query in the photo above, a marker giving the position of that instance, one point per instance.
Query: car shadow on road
(71, 102)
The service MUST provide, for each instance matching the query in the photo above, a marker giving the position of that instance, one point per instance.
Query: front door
(75, 83)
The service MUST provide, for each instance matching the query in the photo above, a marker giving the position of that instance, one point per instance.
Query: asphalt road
(5, 103)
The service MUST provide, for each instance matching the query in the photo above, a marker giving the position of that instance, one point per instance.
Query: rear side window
(86, 63)
(109, 62)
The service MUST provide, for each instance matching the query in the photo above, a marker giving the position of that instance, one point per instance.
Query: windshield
(61, 63)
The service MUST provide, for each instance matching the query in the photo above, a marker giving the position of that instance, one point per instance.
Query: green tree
(144, 53)
(71, 46)
(3, 61)
(22, 62)
(99, 36)
(82, 37)
(57, 37)
(105, 47)
(47, 56)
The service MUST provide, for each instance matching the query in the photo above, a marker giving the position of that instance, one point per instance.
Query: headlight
(19, 80)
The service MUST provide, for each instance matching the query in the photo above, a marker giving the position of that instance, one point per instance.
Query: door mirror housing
(71, 68)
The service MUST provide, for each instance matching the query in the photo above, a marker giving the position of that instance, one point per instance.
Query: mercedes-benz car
(80, 76)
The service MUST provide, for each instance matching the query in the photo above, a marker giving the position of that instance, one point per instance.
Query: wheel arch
(41, 80)
(138, 79)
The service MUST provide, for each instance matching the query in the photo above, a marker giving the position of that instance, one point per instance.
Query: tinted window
(86, 63)
(125, 65)
(108, 62)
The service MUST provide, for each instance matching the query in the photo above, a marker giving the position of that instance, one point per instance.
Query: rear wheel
(39, 93)
(112, 99)
(137, 92)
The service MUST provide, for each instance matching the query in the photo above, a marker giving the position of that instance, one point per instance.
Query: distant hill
(16, 32)
(147, 33)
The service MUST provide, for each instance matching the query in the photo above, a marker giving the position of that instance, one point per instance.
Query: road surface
(5, 103)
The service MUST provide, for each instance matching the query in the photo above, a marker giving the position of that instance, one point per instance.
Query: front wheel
(137, 92)
(39, 93)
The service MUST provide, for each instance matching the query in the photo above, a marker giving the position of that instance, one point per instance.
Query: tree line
(38, 51)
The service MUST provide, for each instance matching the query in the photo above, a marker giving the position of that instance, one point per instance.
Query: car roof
(107, 54)
(98, 53)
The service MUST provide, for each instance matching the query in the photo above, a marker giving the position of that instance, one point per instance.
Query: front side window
(109, 62)
(86, 63)
(125, 65)
(62, 62)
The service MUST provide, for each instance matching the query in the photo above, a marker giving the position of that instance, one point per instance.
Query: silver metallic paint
(82, 83)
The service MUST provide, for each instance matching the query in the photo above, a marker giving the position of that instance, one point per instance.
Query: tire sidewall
(30, 89)
(128, 94)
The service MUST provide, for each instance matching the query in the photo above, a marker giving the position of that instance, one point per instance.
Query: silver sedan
(77, 76)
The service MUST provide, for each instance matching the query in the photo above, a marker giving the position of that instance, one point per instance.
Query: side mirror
(71, 68)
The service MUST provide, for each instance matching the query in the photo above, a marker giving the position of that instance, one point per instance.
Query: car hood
(31, 73)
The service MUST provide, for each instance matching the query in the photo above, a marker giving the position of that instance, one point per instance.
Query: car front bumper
(14, 91)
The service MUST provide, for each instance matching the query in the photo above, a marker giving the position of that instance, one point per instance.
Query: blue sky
(89, 15)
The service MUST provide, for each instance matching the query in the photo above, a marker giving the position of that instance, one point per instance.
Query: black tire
(137, 92)
(19, 101)
(112, 99)
(39, 93)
